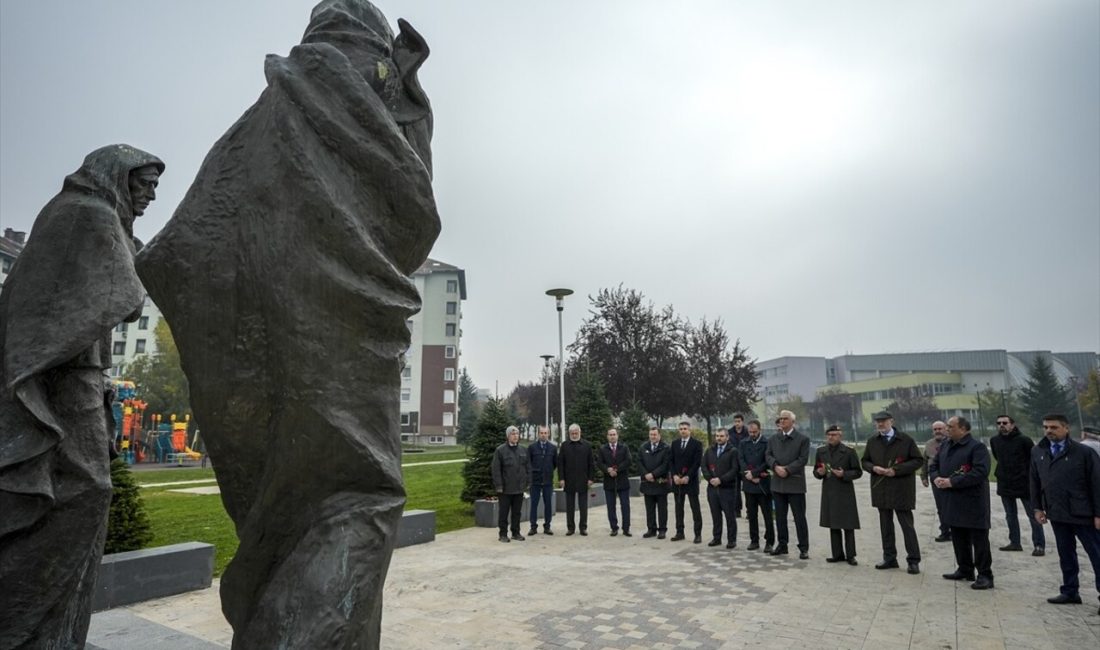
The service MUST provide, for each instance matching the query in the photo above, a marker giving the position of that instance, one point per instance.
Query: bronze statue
(284, 274)
(73, 283)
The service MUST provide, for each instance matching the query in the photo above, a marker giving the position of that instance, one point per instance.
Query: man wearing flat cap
(892, 459)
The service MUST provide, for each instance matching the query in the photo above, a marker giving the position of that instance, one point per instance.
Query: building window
(448, 396)
(407, 373)
(121, 327)
(406, 437)
(452, 286)
(449, 352)
(119, 348)
(450, 329)
(452, 308)
(139, 346)
(448, 419)
(448, 374)
(143, 323)
(405, 418)
(435, 440)
(406, 394)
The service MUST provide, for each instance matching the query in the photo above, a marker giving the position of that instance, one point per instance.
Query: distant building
(429, 381)
(132, 340)
(11, 245)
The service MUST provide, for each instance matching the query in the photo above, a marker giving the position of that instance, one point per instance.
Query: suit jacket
(966, 463)
(653, 459)
(542, 462)
(620, 460)
(685, 460)
(1067, 488)
(575, 465)
(726, 467)
(752, 458)
(793, 452)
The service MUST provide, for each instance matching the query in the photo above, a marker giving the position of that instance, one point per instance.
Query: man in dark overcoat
(614, 462)
(543, 455)
(576, 471)
(1012, 451)
(756, 485)
(787, 455)
(720, 470)
(653, 461)
(511, 473)
(892, 459)
(685, 457)
(738, 433)
(1065, 489)
(837, 466)
(961, 470)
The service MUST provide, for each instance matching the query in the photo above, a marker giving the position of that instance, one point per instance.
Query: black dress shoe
(853, 561)
(959, 575)
(504, 538)
(649, 533)
(714, 542)
(1011, 547)
(803, 555)
(982, 583)
(779, 550)
(614, 533)
(678, 537)
(626, 533)
(1065, 599)
(755, 546)
(698, 539)
(533, 531)
(570, 532)
(768, 549)
(519, 538)
(887, 564)
(1038, 552)
(731, 545)
(584, 533)
(943, 538)
(660, 535)
(547, 531)
(834, 559)
(913, 569)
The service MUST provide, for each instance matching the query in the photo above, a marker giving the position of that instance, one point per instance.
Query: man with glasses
(1012, 451)
(931, 448)
(787, 453)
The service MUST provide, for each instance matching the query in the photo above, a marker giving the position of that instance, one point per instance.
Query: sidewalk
(467, 590)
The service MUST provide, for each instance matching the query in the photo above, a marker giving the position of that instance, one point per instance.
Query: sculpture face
(143, 188)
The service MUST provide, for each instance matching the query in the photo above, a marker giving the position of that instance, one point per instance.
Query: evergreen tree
(1043, 394)
(159, 377)
(467, 408)
(590, 409)
(128, 526)
(634, 432)
(477, 474)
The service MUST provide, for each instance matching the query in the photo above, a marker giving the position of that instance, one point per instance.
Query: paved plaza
(467, 590)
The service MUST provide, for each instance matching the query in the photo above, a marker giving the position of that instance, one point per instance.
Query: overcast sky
(826, 177)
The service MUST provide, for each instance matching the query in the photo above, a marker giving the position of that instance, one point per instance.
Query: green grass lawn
(179, 517)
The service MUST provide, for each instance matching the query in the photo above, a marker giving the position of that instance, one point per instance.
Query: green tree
(1043, 393)
(159, 377)
(913, 409)
(832, 406)
(634, 432)
(467, 407)
(128, 526)
(590, 409)
(1089, 400)
(722, 380)
(1002, 402)
(477, 475)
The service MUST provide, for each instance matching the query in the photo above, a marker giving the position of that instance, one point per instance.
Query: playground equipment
(162, 442)
(129, 412)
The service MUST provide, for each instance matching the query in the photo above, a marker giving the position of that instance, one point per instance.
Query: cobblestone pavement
(467, 590)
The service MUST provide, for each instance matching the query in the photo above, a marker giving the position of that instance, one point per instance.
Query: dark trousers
(1038, 539)
(691, 491)
(546, 493)
(972, 550)
(656, 512)
(763, 504)
(940, 497)
(572, 500)
(623, 496)
(841, 542)
(1066, 536)
(796, 503)
(737, 501)
(889, 543)
(508, 511)
(723, 505)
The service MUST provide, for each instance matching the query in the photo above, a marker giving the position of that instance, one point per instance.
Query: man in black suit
(614, 462)
(543, 455)
(1065, 490)
(685, 459)
(576, 469)
(720, 468)
(653, 460)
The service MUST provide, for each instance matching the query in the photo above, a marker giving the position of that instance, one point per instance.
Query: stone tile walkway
(467, 590)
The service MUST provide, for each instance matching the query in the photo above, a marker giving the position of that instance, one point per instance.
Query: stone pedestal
(416, 527)
(134, 576)
(486, 512)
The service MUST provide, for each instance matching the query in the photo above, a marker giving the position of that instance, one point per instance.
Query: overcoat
(752, 458)
(966, 463)
(793, 452)
(904, 457)
(1012, 451)
(575, 465)
(838, 494)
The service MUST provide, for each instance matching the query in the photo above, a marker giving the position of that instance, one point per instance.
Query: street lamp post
(546, 383)
(1077, 402)
(559, 302)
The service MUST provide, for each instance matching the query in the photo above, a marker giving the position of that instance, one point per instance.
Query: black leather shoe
(519, 538)
(1011, 547)
(731, 545)
(982, 583)
(803, 555)
(547, 531)
(678, 537)
(1038, 552)
(768, 549)
(959, 575)
(754, 547)
(584, 533)
(714, 542)
(570, 532)
(1065, 599)
(614, 533)
(834, 559)
(504, 538)
(533, 531)
(649, 533)
(626, 533)
(913, 569)
(779, 550)
(891, 564)
(853, 561)
(698, 539)
(943, 538)
(660, 535)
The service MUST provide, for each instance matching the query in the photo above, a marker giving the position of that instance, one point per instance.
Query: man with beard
(614, 462)
(543, 456)
(836, 466)
(756, 486)
(1012, 451)
(653, 460)
(74, 282)
(931, 448)
(892, 458)
(720, 469)
(1065, 489)
(787, 454)
(685, 458)
(961, 469)
(576, 470)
